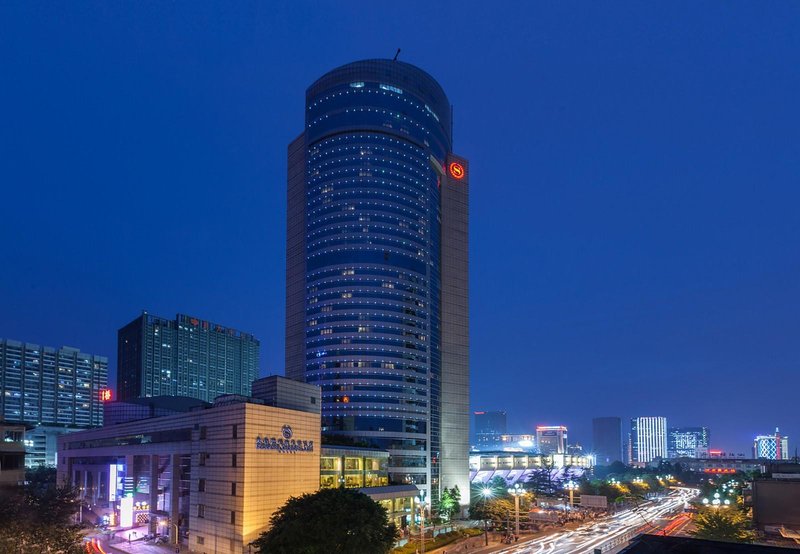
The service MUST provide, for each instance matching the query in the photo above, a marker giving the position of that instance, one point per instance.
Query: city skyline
(645, 249)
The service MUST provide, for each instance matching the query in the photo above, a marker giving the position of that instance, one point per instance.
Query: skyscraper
(489, 426)
(551, 439)
(185, 356)
(607, 440)
(376, 276)
(648, 439)
(771, 447)
(687, 442)
(55, 390)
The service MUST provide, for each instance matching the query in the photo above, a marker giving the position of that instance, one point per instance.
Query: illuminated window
(391, 88)
(357, 84)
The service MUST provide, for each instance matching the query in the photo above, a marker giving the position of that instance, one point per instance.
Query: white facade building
(648, 439)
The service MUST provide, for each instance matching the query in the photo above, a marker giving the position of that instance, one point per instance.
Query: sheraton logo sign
(285, 443)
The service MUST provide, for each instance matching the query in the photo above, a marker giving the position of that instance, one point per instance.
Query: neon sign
(105, 395)
(457, 170)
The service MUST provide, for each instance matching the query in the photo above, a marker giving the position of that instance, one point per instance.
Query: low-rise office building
(211, 476)
(717, 465)
(519, 466)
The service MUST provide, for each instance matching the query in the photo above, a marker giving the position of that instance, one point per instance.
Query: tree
(722, 525)
(38, 517)
(543, 481)
(449, 503)
(339, 520)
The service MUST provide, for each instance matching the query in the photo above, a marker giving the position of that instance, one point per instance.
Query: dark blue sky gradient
(634, 205)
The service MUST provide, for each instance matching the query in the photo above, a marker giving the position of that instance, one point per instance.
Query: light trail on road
(600, 534)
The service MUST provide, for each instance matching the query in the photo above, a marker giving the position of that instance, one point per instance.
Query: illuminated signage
(285, 444)
(126, 511)
(112, 482)
(105, 395)
(457, 170)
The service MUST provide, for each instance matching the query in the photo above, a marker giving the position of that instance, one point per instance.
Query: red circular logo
(457, 170)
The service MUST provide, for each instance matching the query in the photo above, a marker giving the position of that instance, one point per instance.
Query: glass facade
(353, 468)
(368, 327)
(687, 442)
(185, 356)
(45, 386)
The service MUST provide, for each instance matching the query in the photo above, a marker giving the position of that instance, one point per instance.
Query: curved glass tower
(377, 268)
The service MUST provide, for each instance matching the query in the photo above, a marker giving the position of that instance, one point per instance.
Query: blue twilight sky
(634, 210)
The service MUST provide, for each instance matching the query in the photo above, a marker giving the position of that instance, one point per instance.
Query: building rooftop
(172, 403)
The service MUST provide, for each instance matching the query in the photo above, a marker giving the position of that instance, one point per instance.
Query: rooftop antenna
(395, 55)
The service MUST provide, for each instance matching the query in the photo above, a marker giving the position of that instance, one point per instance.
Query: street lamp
(486, 492)
(516, 491)
(421, 500)
(571, 486)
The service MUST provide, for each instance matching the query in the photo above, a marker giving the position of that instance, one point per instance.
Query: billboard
(126, 511)
(593, 501)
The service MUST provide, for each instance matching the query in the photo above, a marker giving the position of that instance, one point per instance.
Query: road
(609, 533)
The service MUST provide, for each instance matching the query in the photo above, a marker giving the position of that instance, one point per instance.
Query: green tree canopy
(341, 521)
(722, 525)
(449, 503)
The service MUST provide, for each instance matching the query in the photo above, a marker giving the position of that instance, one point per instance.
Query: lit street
(607, 534)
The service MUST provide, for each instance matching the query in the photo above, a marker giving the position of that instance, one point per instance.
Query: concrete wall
(455, 330)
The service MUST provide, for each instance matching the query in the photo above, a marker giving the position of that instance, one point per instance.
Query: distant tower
(771, 447)
(648, 439)
(489, 426)
(687, 442)
(607, 440)
(551, 439)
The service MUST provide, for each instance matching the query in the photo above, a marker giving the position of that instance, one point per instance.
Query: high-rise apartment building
(607, 440)
(551, 439)
(48, 386)
(376, 276)
(687, 442)
(489, 427)
(185, 356)
(54, 390)
(648, 439)
(771, 447)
